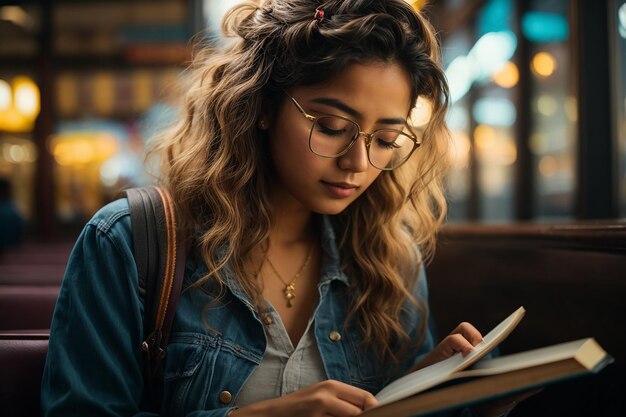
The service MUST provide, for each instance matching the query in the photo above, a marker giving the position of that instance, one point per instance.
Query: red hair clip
(319, 14)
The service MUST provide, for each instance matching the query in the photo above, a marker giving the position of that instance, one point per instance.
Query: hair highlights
(218, 169)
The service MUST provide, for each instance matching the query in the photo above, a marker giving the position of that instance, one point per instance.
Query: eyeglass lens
(331, 135)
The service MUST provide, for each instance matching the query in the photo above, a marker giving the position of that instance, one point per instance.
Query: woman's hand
(462, 339)
(327, 398)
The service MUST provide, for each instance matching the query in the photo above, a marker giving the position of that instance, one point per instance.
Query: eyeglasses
(333, 136)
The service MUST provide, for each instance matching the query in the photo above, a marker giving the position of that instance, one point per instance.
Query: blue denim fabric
(94, 363)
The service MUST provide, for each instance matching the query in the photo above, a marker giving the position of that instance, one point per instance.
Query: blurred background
(538, 103)
(537, 189)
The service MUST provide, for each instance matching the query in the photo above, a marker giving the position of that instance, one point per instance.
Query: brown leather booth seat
(30, 278)
(27, 306)
(29, 274)
(38, 253)
(22, 356)
(34, 263)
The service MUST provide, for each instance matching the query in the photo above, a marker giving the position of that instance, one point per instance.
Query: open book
(454, 382)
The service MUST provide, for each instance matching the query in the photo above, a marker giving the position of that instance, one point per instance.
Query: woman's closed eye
(329, 131)
(385, 144)
(388, 139)
(334, 126)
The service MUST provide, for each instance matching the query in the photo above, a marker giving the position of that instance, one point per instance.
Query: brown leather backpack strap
(160, 257)
(149, 241)
(175, 268)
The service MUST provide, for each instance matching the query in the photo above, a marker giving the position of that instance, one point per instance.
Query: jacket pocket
(187, 372)
(366, 370)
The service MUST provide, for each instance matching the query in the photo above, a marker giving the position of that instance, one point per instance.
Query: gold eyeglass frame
(368, 136)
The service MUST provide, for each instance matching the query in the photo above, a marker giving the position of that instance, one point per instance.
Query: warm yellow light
(31, 152)
(104, 92)
(508, 76)
(19, 104)
(459, 150)
(571, 108)
(18, 16)
(421, 113)
(543, 64)
(26, 94)
(12, 120)
(5, 151)
(417, 4)
(5, 95)
(548, 166)
(493, 179)
(105, 145)
(17, 153)
(142, 90)
(493, 147)
(63, 154)
(83, 151)
(537, 143)
(67, 94)
(507, 153)
(547, 105)
(82, 148)
(484, 137)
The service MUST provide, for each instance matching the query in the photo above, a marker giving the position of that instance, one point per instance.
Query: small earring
(262, 124)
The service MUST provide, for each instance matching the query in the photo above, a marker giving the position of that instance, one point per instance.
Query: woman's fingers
(327, 398)
(338, 399)
(455, 343)
(462, 339)
(469, 332)
(357, 397)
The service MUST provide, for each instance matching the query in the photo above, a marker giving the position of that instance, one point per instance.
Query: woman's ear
(264, 120)
(263, 124)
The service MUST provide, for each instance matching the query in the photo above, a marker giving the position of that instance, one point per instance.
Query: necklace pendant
(290, 288)
(289, 293)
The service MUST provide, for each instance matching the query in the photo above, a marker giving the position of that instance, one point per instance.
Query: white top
(283, 369)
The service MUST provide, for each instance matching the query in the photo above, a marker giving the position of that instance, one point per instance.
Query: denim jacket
(94, 362)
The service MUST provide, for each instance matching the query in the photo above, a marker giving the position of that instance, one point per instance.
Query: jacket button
(267, 319)
(226, 397)
(334, 336)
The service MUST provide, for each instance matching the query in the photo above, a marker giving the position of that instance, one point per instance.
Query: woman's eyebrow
(340, 105)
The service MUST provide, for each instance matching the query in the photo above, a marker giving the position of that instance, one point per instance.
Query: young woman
(313, 205)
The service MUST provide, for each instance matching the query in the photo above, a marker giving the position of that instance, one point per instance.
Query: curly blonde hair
(219, 172)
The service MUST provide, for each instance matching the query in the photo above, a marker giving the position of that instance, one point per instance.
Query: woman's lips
(340, 189)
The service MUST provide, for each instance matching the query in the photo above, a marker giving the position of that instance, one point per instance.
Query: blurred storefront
(79, 98)
(537, 115)
(538, 91)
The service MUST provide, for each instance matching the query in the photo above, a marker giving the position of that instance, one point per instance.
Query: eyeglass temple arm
(301, 110)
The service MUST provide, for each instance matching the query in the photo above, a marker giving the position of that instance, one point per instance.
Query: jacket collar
(330, 269)
(331, 262)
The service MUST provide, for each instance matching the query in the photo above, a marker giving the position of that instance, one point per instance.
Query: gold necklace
(289, 290)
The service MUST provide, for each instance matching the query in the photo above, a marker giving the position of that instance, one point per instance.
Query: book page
(432, 375)
(530, 358)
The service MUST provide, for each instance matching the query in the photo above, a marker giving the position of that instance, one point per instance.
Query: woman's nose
(356, 158)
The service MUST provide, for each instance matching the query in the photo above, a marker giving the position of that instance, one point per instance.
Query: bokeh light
(508, 76)
(543, 64)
